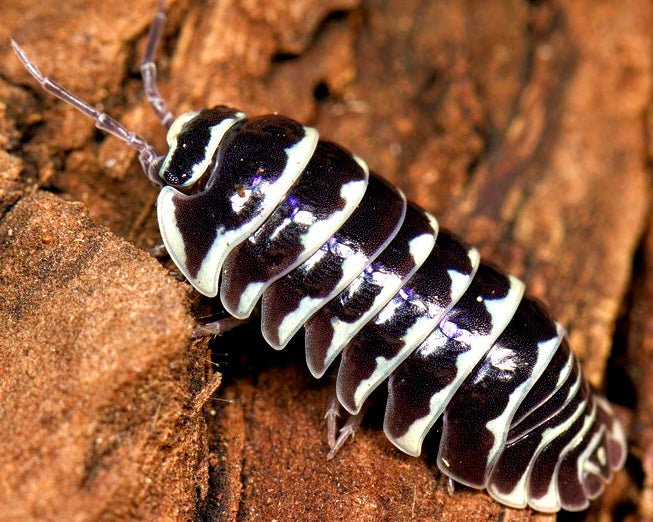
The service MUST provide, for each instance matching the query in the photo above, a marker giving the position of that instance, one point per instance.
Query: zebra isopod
(261, 210)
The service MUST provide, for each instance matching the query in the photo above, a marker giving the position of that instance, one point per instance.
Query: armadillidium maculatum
(259, 209)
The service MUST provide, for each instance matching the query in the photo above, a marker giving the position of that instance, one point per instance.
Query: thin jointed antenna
(148, 68)
(147, 154)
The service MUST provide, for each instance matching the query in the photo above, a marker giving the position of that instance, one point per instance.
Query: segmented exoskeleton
(260, 209)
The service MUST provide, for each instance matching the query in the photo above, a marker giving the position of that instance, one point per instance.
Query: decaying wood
(522, 125)
(96, 417)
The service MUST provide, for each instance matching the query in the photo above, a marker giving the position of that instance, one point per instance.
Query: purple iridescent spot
(339, 249)
(450, 329)
(293, 203)
(407, 293)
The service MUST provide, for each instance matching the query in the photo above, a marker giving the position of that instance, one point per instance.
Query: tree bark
(524, 126)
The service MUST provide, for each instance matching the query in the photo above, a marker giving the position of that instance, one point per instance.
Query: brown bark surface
(524, 126)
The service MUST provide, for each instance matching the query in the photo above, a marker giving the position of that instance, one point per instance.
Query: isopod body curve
(261, 210)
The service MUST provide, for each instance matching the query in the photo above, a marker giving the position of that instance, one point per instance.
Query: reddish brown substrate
(522, 125)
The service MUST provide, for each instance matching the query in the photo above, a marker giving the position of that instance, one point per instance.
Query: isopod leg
(218, 327)
(173, 272)
(148, 68)
(159, 251)
(348, 429)
(331, 416)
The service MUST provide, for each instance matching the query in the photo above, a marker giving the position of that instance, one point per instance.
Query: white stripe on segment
(562, 378)
(501, 311)
(588, 466)
(361, 163)
(312, 239)
(217, 133)
(208, 276)
(550, 502)
(352, 266)
(518, 497)
(344, 331)
(546, 350)
(390, 284)
(615, 431)
(415, 335)
(293, 321)
(384, 367)
(177, 125)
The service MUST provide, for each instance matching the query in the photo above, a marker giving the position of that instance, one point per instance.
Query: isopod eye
(169, 170)
(193, 140)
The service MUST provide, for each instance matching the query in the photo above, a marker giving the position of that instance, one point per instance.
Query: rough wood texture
(522, 125)
(97, 378)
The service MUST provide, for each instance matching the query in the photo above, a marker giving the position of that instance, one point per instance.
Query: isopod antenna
(148, 69)
(148, 156)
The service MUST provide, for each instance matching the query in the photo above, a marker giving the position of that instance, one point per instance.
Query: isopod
(261, 210)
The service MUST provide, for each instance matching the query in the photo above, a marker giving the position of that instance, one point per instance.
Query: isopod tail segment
(303, 226)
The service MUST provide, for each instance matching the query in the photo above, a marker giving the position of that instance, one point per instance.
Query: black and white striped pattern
(301, 224)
